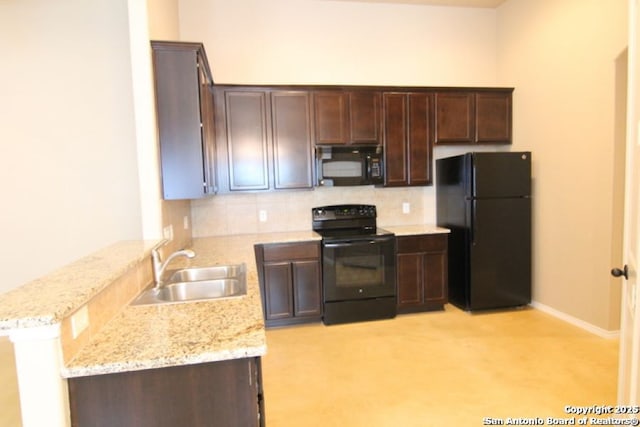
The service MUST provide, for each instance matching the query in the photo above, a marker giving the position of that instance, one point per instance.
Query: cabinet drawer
(291, 251)
(422, 243)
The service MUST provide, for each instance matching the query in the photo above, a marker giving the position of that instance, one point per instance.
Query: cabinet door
(347, 117)
(364, 117)
(331, 117)
(246, 139)
(419, 139)
(422, 272)
(208, 137)
(410, 279)
(292, 148)
(178, 113)
(307, 291)
(278, 287)
(493, 117)
(455, 117)
(435, 288)
(395, 139)
(407, 138)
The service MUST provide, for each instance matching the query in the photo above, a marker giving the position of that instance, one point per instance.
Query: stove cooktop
(353, 233)
(346, 221)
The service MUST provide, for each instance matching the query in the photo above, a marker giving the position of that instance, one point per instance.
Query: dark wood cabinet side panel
(395, 137)
(278, 288)
(216, 394)
(178, 111)
(364, 117)
(419, 139)
(454, 117)
(493, 117)
(292, 147)
(307, 290)
(247, 145)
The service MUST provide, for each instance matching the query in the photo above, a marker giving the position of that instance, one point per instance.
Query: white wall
(327, 42)
(561, 56)
(67, 149)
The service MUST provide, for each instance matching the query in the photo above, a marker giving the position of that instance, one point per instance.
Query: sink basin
(206, 273)
(201, 289)
(198, 284)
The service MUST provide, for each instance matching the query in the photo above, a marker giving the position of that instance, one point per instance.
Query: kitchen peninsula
(76, 326)
(77, 322)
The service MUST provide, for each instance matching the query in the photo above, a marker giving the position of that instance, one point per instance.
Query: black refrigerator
(485, 200)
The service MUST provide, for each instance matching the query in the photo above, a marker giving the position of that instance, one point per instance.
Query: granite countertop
(48, 300)
(163, 335)
(408, 230)
(156, 336)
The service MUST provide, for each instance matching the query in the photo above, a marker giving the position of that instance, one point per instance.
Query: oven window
(361, 269)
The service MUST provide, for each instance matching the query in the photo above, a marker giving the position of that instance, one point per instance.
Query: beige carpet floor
(435, 369)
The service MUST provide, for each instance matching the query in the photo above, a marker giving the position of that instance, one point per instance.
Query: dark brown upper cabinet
(344, 117)
(473, 116)
(292, 146)
(408, 138)
(184, 108)
(264, 138)
(493, 117)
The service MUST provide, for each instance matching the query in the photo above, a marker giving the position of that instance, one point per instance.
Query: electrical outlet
(262, 215)
(79, 321)
(185, 222)
(167, 232)
(406, 207)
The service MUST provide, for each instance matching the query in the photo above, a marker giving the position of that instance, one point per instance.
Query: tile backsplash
(291, 210)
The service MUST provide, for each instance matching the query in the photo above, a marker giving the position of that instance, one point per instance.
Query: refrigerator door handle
(473, 224)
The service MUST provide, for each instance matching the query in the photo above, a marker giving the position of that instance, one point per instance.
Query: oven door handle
(347, 243)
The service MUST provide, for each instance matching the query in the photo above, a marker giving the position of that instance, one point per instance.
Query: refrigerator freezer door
(500, 253)
(505, 174)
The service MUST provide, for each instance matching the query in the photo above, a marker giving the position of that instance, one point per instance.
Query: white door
(629, 375)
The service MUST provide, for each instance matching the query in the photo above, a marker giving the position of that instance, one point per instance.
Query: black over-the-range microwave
(341, 166)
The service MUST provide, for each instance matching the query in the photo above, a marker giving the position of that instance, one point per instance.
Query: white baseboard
(575, 321)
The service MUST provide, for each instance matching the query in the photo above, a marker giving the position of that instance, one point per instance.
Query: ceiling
(460, 3)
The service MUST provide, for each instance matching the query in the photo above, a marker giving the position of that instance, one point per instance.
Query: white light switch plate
(406, 207)
(79, 321)
(262, 215)
(167, 232)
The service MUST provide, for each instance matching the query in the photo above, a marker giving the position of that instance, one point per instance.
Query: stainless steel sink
(206, 273)
(198, 284)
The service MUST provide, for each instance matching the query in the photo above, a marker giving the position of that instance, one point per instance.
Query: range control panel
(343, 212)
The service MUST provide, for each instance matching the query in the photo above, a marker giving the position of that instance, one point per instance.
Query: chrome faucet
(159, 267)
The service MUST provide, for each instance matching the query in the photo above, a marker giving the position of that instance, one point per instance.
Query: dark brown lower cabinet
(421, 272)
(290, 282)
(218, 394)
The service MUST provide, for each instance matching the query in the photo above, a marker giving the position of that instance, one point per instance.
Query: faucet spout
(160, 267)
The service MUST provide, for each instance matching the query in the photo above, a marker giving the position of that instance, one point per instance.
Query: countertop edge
(207, 357)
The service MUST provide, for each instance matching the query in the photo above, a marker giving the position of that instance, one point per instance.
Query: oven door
(359, 268)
